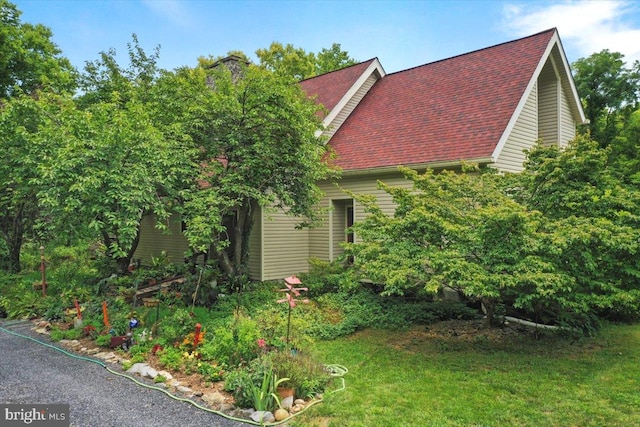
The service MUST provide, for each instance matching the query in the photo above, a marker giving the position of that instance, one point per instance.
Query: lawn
(418, 378)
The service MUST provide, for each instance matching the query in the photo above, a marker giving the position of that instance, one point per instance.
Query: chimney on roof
(233, 63)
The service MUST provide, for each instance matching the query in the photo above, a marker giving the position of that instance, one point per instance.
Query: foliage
(33, 80)
(29, 60)
(296, 63)
(453, 229)
(170, 358)
(264, 395)
(591, 228)
(58, 334)
(258, 149)
(610, 92)
(176, 326)
(301, 372)
(239, 382)
(24, 121)
(103, 340)
(332, 59)
(234, 343)
(115, 165)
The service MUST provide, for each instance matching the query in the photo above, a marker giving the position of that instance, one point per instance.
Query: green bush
(103, 340)
(170, 358)
(306, 375)
(234, 343)
(58, 334)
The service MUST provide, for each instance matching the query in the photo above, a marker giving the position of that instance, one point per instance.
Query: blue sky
(402, 34)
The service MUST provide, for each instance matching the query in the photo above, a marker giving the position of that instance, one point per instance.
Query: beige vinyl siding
(254, 262)
(522, 137)
(285, 250)
(154, 241)
(351, 105)
(567, 124)
(325, 240)
(548, 90)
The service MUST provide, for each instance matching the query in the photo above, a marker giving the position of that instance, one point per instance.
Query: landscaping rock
(263, 416)
(299, 402)
(106, 356)
(214, 399)
(135, 369)
(296, 408)
(93, 351)
(281, 414)
(148, 372)
(183, 389)
(287, 402)
(166, 374)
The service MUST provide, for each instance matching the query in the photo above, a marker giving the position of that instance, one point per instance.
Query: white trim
(555, 41)
(332, 208)
(375, 66)
(572, 83)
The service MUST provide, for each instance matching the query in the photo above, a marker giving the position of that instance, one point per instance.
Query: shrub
(234, 343)
(170, 358)
(305, 374)
(103, 340)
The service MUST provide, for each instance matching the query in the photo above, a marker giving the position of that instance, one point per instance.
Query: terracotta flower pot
(285, 392)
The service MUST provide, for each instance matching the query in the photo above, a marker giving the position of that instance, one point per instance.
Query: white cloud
(585, 27)
(173, 10)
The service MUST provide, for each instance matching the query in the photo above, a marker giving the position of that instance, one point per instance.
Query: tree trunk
(14, 235)
(235, 266)
(15, 246)
(490, 311)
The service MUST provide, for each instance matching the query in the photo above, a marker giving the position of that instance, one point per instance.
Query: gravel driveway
(31, 373)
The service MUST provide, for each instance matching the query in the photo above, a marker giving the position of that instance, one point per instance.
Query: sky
(401, 34)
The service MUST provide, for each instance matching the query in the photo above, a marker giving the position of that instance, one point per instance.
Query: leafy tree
(31, 67)
(21, 120)
(295, 62)
(593, 221)
(258, 148)
(117, 164)
(458, 230)
(287, 60)
(29, 60)
(609, 90)
(332, 59)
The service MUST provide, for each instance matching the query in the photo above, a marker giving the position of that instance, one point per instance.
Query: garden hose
(336, 371)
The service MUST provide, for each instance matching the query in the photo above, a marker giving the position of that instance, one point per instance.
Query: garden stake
(77, 322)
(105, 315)
(196, 337)
(75, 301)
(291, 291)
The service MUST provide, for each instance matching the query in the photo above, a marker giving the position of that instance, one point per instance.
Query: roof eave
(418, 166)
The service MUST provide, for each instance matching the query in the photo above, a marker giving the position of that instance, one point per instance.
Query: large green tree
(29, 60)
(290, 61)
(117, 162)
(258, 148)
(593, 220)
(31, 68)
(610, 91)
(458, 230)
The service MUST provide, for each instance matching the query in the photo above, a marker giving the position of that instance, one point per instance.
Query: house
(484, 107)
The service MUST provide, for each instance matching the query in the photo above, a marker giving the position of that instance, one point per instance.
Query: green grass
(408, 379)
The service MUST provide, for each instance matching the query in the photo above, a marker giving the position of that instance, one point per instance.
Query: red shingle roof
(448, 110)
(331, 87)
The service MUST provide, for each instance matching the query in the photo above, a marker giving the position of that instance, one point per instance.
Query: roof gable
(442, 112)
(329, 88)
